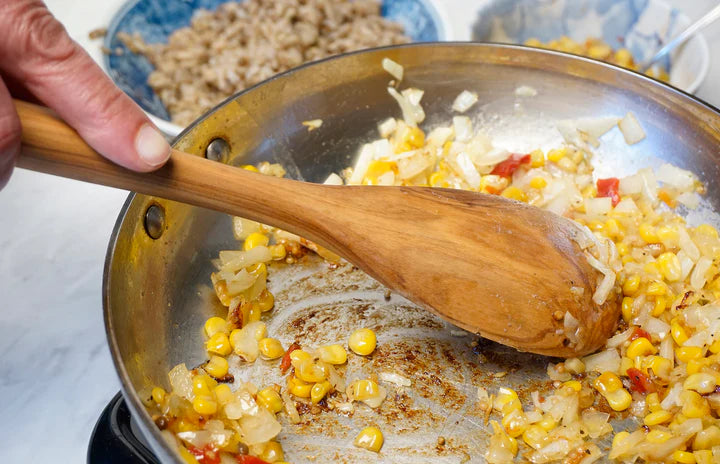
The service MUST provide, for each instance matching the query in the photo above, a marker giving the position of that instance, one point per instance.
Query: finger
(57, 71)
(9, 135)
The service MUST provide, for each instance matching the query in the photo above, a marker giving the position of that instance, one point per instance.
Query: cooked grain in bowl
(243, 43)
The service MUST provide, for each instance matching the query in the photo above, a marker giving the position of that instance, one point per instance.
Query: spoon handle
(707, 19)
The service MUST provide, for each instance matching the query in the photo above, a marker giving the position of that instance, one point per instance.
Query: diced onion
(395, 69)
(367, 153)
(243, 227)
(409, 101)
(631, 129)
(463, 128)
(397, 379)
(234, 260)
(674, 176)
(469, 172)
(525, 91)
(649, 184)
(626, 206)
(619, 339)
(259, 428)
(689, 199)
(333, 179)
(598, 206)
(439, 136)
(181, 381)
(631, 184)
(387, 127)
(699, 274)
(687, 245)
(312, 124)
(608, 360)
(464, 101)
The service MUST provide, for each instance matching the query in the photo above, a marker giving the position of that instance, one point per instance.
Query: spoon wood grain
(495, 267)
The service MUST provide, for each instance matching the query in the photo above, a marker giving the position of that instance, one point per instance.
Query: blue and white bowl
(155, 20)
(641, 26)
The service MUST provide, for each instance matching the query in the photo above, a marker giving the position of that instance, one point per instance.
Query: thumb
(37, 51)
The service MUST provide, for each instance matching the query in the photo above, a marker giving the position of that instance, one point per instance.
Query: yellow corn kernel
(567, 164)
(255, 239)
(515, 423)
(631, 285)
(695, 365)
(514, 193)
(704, 457)
(613, 228)
(318, 391)
(504, 396)
(659, 307)
(623, 249)
(660, 366)
(377, 168)
(510, 406)
(219, 344)
(223, 393)
(667, 234)
(204, 405)
(254, 313)
(332, 354)
(648, 233)
(574, 384)
(362, 341)
(537, 158)
(657, 418)
(715, 347)
(627, 259)
(535, 436)
(270, 400)
(625, 364)
(627, 308)
(669, 265)
(596, 226)
(657, 288)
(683, 457)
(217, 367)
(270, 348)
(272, 452)
(249, 167)
(707, 438)
(701, 383)
(694, 405)
(658, 436)
(686, 353)
(641, 346)
(652, 400)
(574, 366)
(203, 384)
(299, 388)
(557, 154)
(215, 325)
(547, 423)
(707, 229)
(653, 269)
(369, 438)
(158, 395)
(608, 382)
(311, 372)
(266, 300)
(437, 179)
(186, 426)
(678, 333)
(361, 390)
(538, 182)
(297, 356)
(619, 400)
(619, 438)
(415, 137)
(277, 251)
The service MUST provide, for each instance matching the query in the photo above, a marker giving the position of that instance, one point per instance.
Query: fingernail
(151, 146)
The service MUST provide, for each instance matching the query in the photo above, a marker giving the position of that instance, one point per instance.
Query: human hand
(39, 61)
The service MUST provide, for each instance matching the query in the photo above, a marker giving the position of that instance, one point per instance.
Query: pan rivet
(155, 221)
(218, 150)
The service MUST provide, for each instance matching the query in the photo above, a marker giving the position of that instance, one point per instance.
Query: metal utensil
(157, 291)
(709, 17)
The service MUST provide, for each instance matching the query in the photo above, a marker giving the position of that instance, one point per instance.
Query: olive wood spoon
(493, 266)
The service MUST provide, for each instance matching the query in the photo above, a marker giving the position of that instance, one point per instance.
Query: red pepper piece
(509, 166)
(609, 188)
(640, 382)
(285, 363)
(639, 333)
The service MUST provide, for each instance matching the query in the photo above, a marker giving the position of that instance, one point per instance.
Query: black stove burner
(116, 439)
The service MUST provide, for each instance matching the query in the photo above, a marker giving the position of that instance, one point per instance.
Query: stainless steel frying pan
(157, 291)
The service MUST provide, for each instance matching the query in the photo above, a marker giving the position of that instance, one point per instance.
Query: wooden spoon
(493, 266)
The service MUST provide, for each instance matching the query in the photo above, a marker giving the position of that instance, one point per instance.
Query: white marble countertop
(56, 373)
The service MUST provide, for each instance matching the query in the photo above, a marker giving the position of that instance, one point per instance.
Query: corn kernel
(669, 265)
(641, 346)
(309, 371)
(557, 154)
(219, 344)
(683, 457)
(266, 300)
(223, 393)
(535, 436)
(648, 233)
(658, 436)
(297, 356)
(660, 366)
(504, 396)
(547, 423)
(318, 391)
(370, 438)
(574, 366)
(510, 406)
(715, 347)
(619, 400)
(608, 382)
(657, 288)
(596, 226)
(270, 348)
(686, 353)
(214, 325)
(437, 179)
(694, 405)
(514, 193)
(299, 388)
(203, 384)
(623, 249)
(652, 400)
(707, 229)
(619, 438)
(185, 426)
(625, 364)
(574, 384)
(272, 452)
(627, 308)
(678, 333)
(704, 457)
(537, 158)
(631, 285)
(657, 418)
(333, 354)
(255, 239)
(270, 400)
(538, 183)
(217, 367)
(623, 57)
(204, 405)
(362, 342)
(701, 383)
(667, 235)
(707, 438)
(695, 365)
(361, 390)
(158, 395)
(653, 269)
(277, 251)
(567, 164)
(249, 167)
(515, 423)
(659, 306)
(415, 137)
